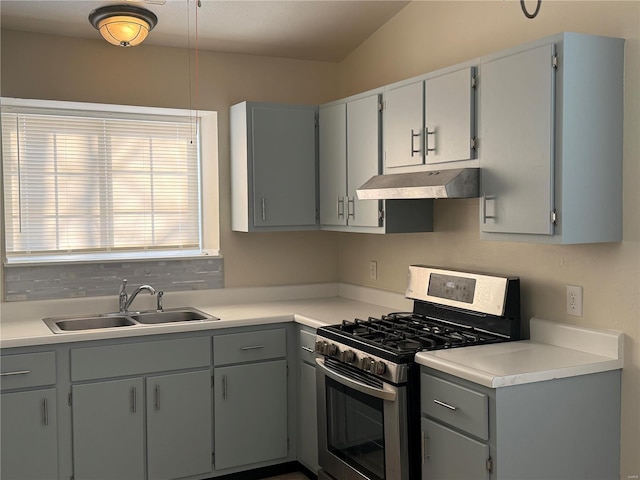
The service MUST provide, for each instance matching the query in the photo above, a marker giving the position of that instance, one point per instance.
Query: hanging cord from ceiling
(193, 115)
(526, 12)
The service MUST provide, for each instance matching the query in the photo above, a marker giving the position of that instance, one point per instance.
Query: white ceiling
(304, 29)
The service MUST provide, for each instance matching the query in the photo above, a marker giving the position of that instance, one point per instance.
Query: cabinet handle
(264, 209)
(486, 197)
(351, 207)
(18, 372)
(340, 203)
(133, 399)
(307, 349)
(427, 133)
(425, 454)
(224, 387)
(413, 150)
(45, 412)
(445, 405)
(157, 397)
(252, 347)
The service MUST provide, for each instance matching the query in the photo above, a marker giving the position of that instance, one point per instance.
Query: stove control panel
(368, 363)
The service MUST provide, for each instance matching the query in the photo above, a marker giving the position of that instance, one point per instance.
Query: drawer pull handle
(252, 347)
(307, 349)
(445, 405)
(19, 372)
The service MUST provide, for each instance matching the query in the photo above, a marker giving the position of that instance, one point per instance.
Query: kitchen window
(95, 182)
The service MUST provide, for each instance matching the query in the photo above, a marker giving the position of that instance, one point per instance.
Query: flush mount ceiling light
(123, 25)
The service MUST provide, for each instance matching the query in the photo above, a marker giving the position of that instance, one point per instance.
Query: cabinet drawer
(249, 347)
(28, 370)
(139, 358)
(307, 346)
(455, 405)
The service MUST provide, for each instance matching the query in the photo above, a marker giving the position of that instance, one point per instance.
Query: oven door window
(355, 429)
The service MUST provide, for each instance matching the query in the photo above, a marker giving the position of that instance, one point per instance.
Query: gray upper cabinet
(403, 125)
(350, 154)
(450, 117)
(430, 122)
(273, 167)
(551, 141)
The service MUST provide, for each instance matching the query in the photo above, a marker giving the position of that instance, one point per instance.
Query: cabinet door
(450, 455)
(283, 143)
(333, 164)
(517, 105)
(363, 158)
(450, 117)
(179, 435)
(250, 413)
(108, 430)
(308, 442)
(403, 126)
(29, 435)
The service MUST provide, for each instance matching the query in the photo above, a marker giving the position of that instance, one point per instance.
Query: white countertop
(555, 350)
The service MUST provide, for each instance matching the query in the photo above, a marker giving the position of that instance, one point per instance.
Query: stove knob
(348, 356)
(367, 363)
(321, 347)
(332, 350)
(380, 368)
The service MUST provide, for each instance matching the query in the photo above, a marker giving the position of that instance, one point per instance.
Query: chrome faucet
(125, 300)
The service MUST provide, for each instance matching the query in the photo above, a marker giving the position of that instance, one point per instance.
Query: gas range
(452, 309)
(368, 384)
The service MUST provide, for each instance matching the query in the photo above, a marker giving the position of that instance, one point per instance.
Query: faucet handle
(123, 286)
(160, 295)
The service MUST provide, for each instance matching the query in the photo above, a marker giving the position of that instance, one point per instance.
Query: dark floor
(289, 476)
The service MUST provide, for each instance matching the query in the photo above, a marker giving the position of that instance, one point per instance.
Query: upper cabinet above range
(551, 141)
(430, 121)
(274, 183)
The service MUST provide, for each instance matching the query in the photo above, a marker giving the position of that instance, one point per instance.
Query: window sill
(33, 260)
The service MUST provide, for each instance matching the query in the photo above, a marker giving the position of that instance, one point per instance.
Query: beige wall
(59, 68)
(423, 37)
(429, 35)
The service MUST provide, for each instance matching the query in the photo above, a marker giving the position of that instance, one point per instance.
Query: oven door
(362, 427)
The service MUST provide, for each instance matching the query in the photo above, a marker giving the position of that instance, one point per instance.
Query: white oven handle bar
(387, 392)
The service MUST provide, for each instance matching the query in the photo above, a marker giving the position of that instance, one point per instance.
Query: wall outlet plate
(574, 300)
(373, 270)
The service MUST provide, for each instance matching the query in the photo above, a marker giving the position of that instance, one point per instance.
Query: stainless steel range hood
(453, 183)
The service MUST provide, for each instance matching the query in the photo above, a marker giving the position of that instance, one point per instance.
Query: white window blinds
(98, 182)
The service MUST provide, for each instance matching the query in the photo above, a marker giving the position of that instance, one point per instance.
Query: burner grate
(410, 332)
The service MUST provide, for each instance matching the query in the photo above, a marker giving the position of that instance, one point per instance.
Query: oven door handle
(387, 393)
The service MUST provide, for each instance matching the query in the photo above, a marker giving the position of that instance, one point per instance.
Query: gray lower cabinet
(250, 396)
(565, 428)
(142, 410)
(250, 414)
(29, 435)
(307, 404)
(28, 415)
(449, 454)
(108, 430)
(179, 416)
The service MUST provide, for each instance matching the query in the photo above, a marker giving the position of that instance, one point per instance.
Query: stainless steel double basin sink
(122, 320)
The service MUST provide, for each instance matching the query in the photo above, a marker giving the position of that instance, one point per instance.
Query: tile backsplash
(53, 281)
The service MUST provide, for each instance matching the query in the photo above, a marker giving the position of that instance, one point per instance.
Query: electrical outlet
(574, 300)
(373, 270)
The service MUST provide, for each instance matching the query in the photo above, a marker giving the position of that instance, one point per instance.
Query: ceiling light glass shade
(123, 25)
